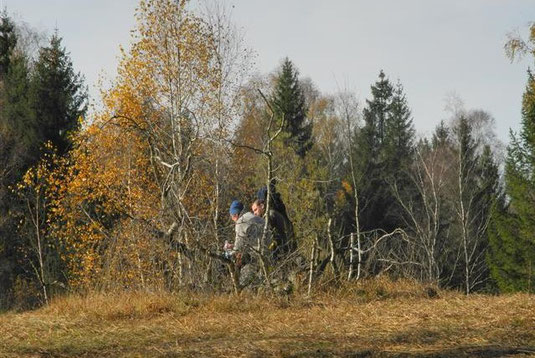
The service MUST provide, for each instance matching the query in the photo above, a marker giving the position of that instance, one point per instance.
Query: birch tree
(425, 213)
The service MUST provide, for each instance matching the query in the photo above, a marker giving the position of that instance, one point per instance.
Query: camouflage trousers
(251, 275)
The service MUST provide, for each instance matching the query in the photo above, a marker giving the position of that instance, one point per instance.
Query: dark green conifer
(512, 240)
(8, 41)
(289, 101)
(384, 149)
(57, 95)
(18, 121)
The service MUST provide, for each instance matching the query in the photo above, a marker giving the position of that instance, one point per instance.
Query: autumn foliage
(139, 200)
(141, 164)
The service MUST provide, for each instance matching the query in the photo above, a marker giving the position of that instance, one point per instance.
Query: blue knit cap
(236, 207)
(262, 193)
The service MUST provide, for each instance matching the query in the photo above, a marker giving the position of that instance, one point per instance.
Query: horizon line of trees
(136, 197)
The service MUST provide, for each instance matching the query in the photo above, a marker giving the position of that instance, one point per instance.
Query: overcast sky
(433, 47)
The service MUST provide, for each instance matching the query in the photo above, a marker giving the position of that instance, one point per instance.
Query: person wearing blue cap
(236, 207)
(249, 229)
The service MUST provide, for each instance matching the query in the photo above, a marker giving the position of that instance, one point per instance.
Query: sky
(434, 48)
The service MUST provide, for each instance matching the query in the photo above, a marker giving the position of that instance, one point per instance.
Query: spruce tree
(57, 95)
(289, 101)
(17, 150)
(37, 106)
(375, 116)
(370, 156)
(18, 121)
(384, 148)
(8, 41)
(398, 151)
(490, 193)
(512, 240)
(441, 136)
(399, 131)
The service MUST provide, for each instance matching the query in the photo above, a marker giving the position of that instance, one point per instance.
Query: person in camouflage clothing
(244, 251)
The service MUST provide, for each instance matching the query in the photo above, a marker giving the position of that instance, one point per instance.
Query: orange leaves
(148, 157)
(108, 184)
(347, 187)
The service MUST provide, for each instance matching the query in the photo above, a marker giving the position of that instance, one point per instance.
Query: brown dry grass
(377, 318)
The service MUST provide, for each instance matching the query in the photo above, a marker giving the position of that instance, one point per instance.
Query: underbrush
(380, 288)
(110, 306)
(146, 305)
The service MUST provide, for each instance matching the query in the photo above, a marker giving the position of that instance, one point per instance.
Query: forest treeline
(136, 196)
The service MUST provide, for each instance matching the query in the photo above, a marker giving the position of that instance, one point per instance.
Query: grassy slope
(365, 320)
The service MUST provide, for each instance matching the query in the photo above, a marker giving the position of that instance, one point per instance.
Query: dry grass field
(369, 319)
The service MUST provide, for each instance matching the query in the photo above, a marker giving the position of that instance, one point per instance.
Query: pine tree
(289, 101)
(512, 255)
(57, 95)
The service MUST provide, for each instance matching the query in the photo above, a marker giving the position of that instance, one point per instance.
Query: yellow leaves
(108, 193)
(39, 178)
(173, 60)
(107, 184)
